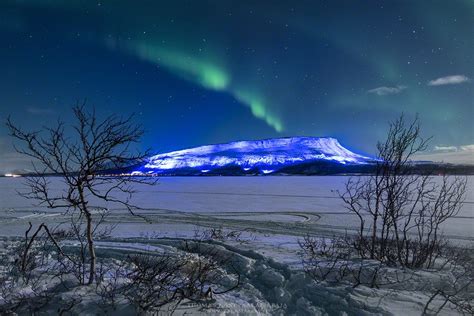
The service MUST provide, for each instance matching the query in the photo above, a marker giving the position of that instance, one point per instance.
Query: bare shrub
(24, 287)
(27, 261)
(400, 216)
(221, 234)
(400, 213)
(335, 261)
(156, 282)
(456, 288)
(110, 288)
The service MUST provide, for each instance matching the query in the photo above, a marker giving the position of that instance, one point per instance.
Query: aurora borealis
(203, 72)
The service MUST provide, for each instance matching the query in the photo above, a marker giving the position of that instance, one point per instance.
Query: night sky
(200, 72)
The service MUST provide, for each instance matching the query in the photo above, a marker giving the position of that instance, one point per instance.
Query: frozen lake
(271, 214)
(292, 206)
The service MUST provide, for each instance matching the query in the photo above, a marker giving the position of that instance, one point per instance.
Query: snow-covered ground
(271, 213)
(287, 206)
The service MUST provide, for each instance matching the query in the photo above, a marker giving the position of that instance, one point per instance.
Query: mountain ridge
(273, 156)
(257, 156)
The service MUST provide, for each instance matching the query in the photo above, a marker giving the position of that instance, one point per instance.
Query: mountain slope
(254, 157)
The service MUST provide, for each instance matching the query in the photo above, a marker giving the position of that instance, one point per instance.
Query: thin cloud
(387, 90)
(469, 148)
(456, 79)
(451, 154)
(445, 148)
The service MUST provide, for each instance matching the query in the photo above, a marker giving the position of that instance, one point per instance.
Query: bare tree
(79, 156)
(400, 211)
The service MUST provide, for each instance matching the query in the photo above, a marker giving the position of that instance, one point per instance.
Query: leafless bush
(150, 282)
(324, 259)
(400, 216)
(156, 282)
(400, 213)
(335, 261)
(208, 267)
(39, 266)
(27, 260)
(325, 247)
(221, 234)
(23, 286)
(112, 279)
(456, 288)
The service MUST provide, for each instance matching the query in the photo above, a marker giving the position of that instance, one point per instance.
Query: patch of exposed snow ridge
(267, 154)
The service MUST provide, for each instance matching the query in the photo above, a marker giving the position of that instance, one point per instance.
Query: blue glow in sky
(205, 72)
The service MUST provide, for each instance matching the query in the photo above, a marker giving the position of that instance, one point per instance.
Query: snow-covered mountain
(254, 157)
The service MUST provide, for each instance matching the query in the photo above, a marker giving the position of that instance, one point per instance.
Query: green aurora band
(208, 74)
